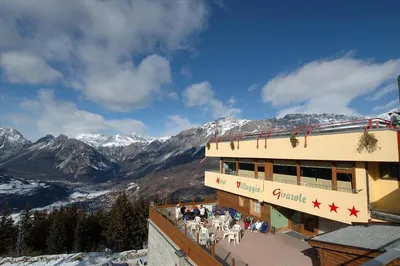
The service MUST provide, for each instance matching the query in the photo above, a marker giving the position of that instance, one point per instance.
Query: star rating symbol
(316, 203)
(333, 207)
(353, 211)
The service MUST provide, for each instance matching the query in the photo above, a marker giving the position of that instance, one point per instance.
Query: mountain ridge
(134, 157)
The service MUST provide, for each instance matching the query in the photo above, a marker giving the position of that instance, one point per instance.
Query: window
(317, 170)
(261, 169)
(246, 168)
(255, 208)
(390, 170)
(285, 168)
(241, 201)
(230, 167)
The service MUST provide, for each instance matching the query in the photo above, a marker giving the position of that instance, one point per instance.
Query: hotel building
(313, 180)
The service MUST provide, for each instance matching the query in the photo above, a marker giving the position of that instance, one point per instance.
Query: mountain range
(99, 158)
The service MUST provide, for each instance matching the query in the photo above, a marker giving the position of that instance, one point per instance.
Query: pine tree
(39, 232)
(8, 233)
(141, 210)
(79, 235)
(120, 230)
(58, 238)
(24, 232)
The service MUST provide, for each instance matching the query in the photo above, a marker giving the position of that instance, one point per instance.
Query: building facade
(310, 180)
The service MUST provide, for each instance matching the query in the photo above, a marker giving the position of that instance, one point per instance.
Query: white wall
(161, 249)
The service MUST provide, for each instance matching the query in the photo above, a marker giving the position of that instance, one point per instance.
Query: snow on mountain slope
(223, 124)
(11, 142)
(99, 140)
(129, 257)
(386, 115)
(10, 185)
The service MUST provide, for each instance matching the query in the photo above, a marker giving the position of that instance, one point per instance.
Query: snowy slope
(78, 259)
(99, 140)
(10, 185)
(11, 142)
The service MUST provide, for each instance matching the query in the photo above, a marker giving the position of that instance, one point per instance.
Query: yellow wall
(329, 147)
(303, 197)
(384, 194)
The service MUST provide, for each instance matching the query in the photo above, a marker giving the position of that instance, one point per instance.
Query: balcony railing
(198, 253)
(353, 125)
(305, 184)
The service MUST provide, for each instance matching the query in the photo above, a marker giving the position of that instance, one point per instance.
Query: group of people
(190, 213)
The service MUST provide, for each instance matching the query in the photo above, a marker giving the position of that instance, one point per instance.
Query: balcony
(328, 142)
(253, 249)
(331, 204)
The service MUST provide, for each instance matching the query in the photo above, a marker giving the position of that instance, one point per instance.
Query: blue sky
(158, 67)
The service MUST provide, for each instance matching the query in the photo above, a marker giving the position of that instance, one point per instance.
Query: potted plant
(294, 141)
(367, 141)
(232, 145)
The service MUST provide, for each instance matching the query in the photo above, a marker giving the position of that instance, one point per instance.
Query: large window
(230, 167)
(285, 172)
(285, 168)
(316, 170)
(390, 170)
(261, 169)
(255, 207)
(246, 167)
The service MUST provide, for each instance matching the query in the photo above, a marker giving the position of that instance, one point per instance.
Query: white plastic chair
(237, 227)
(226, 231)
(230, 238)
(204, 230)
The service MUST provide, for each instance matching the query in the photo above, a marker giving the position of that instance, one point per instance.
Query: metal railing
(353, 125)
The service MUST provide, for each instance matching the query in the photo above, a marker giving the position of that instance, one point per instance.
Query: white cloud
(23, 67)
(381, 92)
(219, 109)
(51, 116)
(92, 43)
(173, 95)
(328, 86)
(185, 71)
(253, 87)
(198, 94)
(202, 94)
(175, 124)
(388, 106)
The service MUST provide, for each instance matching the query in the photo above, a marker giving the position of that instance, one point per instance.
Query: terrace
(252, 249)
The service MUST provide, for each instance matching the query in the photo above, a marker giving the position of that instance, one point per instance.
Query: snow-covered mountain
(11, 142)
(99, 140)
(135, 156)
(61, 157)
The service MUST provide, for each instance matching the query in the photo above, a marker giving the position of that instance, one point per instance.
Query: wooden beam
(237, 167)
(353, 179)
(334, 176)
(256, 168)
(266, 170)
(298, 173)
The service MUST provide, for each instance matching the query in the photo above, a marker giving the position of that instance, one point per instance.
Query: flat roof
(372, 237)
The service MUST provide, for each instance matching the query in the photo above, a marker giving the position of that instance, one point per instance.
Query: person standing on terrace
(395, 118)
